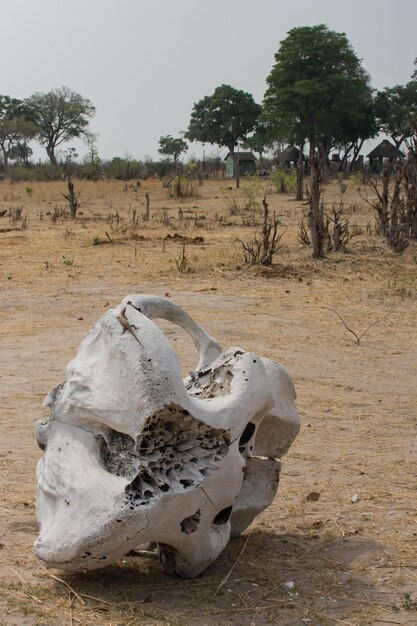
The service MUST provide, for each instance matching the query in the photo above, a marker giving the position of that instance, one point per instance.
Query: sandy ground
(324, 562)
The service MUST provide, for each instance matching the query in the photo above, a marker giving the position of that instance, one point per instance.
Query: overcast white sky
(143, 63)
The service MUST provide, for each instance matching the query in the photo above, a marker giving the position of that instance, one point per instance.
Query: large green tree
(318, 92)
(16, 127)
(224, 118)
(171, 146)
(396, 110)
(60, 115)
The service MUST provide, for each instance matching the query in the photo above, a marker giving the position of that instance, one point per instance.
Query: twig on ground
(358, 337)
(64, 582)
(30, 595)
(226, 578)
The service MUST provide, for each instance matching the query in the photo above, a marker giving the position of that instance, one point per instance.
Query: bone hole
(223, 516)
(190, 524)
(181, 342)
(247, 434)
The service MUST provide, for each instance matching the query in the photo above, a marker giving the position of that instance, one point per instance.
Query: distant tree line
(318, 98)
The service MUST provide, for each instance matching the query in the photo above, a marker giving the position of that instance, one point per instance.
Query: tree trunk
(316, 215)
(50, 151)
(356, 150)
(299, 195)
(5, 158)
(235, 157)
(343, 162)
(147, 202)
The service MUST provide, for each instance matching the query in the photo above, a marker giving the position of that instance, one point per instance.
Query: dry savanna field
(344, 556)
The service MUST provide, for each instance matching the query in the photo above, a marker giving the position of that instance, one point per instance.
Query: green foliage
(123, 169)
(251, 190)
(16, 127)
(259, 140)
(169, 146)
(42, 172)
(232, 199)
(100, 241)
(318, 90)
(162, 168)
(285, 182)
(357, 180)
(245, 198)
(92, 165)
(396, 110)
(224, 118)
(59, 115)
(181, 186)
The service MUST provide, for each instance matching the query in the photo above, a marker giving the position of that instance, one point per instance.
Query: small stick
(226, 578)
(84, 595)
(18, 575)
(25, 583)
(64, 582)
(358, 337)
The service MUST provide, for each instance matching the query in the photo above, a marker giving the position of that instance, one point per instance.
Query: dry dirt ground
(347, 558)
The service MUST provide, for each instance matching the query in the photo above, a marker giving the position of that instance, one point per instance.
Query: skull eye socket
(223, 516)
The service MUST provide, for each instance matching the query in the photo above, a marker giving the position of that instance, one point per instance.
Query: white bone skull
(133, 454)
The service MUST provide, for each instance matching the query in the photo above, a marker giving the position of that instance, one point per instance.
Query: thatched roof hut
(385, 151)
(289, 156)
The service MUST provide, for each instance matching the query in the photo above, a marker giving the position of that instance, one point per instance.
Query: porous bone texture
(132, 454)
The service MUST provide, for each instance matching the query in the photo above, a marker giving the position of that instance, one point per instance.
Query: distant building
(289, 157)
(247, 164)
(383, 153)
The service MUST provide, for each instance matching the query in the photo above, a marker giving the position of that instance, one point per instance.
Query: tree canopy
(224, 118)
(16, 127)
(60, 115)
(318, 91)
(259, 140)
(396, 110)
(170, 146)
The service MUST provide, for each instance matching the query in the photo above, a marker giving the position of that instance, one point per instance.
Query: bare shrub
(395, 203)
(261, 248)
(72, 197)
(58, 213)
(342, 184)
(15, 214)
(181, 261)
(339, 236)
(302, 234)
(233, 200)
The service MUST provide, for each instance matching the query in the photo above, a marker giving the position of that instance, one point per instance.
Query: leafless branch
(358, 337)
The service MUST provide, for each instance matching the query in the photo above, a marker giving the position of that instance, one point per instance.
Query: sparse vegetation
(262, 247)
(285, 182)
(240, 304)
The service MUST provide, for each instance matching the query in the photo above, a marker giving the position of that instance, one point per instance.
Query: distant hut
(383, 153)
(247, 164)
(289, 157)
